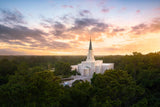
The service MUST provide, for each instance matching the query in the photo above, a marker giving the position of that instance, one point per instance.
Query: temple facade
(91, 66)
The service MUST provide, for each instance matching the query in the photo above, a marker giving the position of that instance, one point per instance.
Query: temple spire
(90, 56)
(90, 44)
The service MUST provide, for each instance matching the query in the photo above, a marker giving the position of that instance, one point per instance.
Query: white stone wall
(87, 68)
(86, 72)
(74, 67)
(107, 66)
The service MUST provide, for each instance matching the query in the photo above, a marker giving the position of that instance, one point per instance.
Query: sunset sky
(63, 27)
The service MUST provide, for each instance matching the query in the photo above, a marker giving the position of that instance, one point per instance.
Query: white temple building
(91, 66)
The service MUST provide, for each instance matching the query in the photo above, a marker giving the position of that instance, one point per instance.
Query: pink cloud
(138, 11)
(67, 6)
(105, 10)
(157, 9)
(86, 11)
(112, 7)
(123, 8)
(50, 1)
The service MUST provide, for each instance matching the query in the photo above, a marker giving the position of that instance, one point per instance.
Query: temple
(91, 66)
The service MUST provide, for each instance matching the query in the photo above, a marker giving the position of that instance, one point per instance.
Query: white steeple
(90, 56)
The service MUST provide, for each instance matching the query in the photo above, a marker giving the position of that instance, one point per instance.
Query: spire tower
(90, 56)
(90, 44)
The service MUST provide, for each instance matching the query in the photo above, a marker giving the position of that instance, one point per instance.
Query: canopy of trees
(26, 81)
(62, 68)
(31, 89)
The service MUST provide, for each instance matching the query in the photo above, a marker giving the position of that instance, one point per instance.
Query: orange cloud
(63, 38)
(143, 29)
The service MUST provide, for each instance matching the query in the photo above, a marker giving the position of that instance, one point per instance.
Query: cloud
(35, 39)
(67, 17)
(139, 29)
(142, 28)
(83, 23)
(46, 22)
(124, 8)
(45, 25)
(59, 25)
(12, 17)
(84, 12)
(89, 26)
(138, 11)
(111, 49)
(157, 9)
(59, 29)
(118, 30)
(105, 10)
(50, 45)
(67, 6)
(155, 25)
(102, 2)
(20, 33)
(100, 27)
(89, 23)
(11, 52)
(83, 27)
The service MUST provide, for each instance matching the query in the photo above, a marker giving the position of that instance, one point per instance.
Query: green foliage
(62, 68)
(76, 82)
(134, 82)
(32, 89)
(115, 88)
(6, 68)
(150, 80)
(78, 95)
(74, 72)
(141, 103)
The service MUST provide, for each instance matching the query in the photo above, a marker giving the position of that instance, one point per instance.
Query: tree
(62, 68)
(115, 88)
(6, 68)
(31, 89)
(150, 80)
(78, 95)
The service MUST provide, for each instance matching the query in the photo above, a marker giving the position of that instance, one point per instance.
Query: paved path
(69, 83)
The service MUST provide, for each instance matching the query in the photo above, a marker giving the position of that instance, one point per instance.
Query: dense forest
(27, 81)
